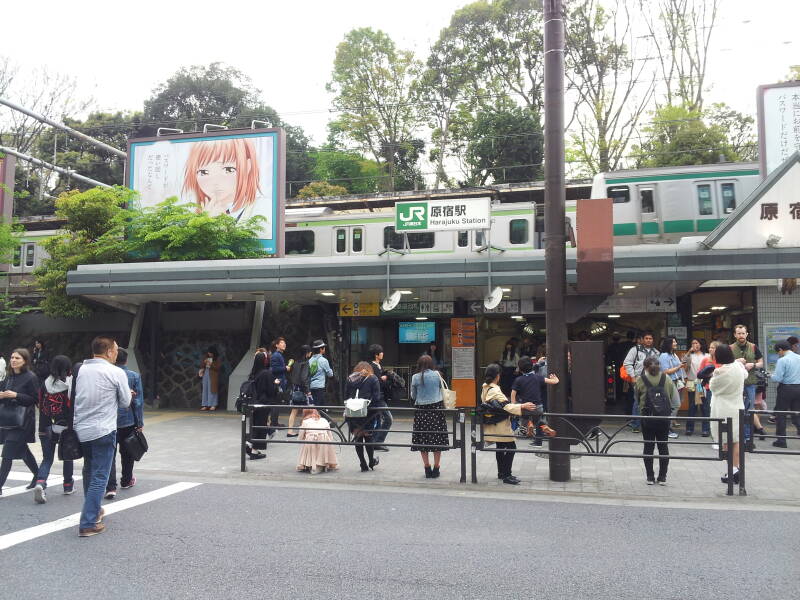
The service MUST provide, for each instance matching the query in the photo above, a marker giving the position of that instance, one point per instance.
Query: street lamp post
(554, 213)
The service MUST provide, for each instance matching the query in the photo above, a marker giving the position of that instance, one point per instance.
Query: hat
(318, 344)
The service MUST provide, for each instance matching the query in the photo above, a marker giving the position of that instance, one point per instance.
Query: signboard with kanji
(443, 215)
(778, 124)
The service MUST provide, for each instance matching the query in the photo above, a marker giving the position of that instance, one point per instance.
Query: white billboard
(778, 124)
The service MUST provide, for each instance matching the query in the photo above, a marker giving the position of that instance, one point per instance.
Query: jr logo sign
(411, 216)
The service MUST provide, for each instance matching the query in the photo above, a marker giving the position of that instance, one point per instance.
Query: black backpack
(247, 394)
(656, 401)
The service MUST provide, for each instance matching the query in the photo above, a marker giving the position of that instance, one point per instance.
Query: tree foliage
(319, 189)
(355, 173)
(372, 83)
(8, 241)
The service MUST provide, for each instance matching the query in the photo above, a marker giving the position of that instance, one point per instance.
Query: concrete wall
(774, 307)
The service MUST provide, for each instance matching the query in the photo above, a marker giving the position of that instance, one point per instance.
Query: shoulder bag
(69, 446)
(448, 395)
(135, 443)
(356, 407)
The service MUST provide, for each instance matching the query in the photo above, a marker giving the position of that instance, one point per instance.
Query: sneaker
(69, 487)
(38, 493)
(548, 431)
(90, 531)
(724, 478)
(672, 434)
(662, 482)
(130, 484)
(511, 480)
(110, 494)
(651, 482)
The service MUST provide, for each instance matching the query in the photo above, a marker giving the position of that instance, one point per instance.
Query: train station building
(742, 272)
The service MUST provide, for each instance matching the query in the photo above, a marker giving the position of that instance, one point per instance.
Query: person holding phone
(209, 373)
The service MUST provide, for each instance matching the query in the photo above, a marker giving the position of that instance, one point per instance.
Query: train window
(29, 253)
(728, 198)
(619, 194)
(299, 242)
(358, 239)
(646, 197)
(341, 240)
(704, 199)
(463, 239)
(17, 261)
(416, 241)
(480, 238)
(518, 231)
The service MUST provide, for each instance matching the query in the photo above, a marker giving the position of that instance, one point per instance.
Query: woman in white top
(727, 388)
(698, 402)
(508, 361)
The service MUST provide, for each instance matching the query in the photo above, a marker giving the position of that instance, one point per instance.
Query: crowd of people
(99, 400)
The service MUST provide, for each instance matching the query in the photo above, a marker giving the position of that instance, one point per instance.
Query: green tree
(348, 169)
(372, 83)
(92, 234)
(319, 189)
(738, 127)
(678, 136)
(8, 242)
(222, 95)
(506, 145)
(173, 231)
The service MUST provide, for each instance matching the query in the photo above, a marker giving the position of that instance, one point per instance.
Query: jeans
(318, 394)
(385, 421)
(704, 409)
(653, 432)
(49, 443)
(635, 423)
(504, 459)
(749, 402)
(788, 399)
(97, 458)
(126, 459)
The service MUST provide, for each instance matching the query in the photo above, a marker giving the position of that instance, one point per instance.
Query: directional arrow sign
(475, 307)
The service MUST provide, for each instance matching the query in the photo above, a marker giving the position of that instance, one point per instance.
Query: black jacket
(300, 377)
(27, 387)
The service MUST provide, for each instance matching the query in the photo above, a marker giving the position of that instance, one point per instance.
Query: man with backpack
(655, 395)
(320, 370)
(634, 365)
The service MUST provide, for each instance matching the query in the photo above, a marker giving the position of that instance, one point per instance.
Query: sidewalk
(207, 444)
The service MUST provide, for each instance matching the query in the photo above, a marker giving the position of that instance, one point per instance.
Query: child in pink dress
(316, 458)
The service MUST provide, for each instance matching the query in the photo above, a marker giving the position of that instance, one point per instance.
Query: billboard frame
(762, 144)
(279, 168)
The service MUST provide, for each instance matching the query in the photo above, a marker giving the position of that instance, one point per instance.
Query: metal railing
(456, 432)
(747, 417)
(596, 441)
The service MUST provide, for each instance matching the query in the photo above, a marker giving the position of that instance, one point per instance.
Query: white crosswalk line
(51, 483)
(31, 533)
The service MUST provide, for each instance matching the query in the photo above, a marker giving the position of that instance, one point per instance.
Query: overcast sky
(120, 52)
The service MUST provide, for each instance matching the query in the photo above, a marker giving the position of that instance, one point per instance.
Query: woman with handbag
(430, 425)
(363, 384)
(696, 396)
(300, 378)
(18, 394)
(672, 367)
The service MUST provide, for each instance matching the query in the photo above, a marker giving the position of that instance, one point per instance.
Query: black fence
(747, 417)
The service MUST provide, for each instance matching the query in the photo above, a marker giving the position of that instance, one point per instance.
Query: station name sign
(443, 215)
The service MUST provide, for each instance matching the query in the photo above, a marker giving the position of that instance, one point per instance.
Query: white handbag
(448, 395)
(356, 407)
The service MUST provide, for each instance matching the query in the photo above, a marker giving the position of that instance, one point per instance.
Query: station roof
(303, 280)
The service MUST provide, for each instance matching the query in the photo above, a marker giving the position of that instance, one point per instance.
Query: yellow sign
(359, 309)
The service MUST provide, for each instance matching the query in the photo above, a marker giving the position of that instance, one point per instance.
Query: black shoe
(31, 485)
(435, 472)
(256, 455)
(381, 449)
(511, 480)
(428, 473)
(724, 478)
(288, 435)
(749, 446)
(373, 462)
(779, 443)
(364, 468)
(761, 433)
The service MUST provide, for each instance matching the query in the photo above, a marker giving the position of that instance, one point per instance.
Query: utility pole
(554, 218)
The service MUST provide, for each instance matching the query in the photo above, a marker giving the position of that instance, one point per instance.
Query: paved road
(279, 539)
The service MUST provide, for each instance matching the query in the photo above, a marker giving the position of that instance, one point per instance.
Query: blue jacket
(323, 370)
(277, 365)
(124, 415)
(427, 389)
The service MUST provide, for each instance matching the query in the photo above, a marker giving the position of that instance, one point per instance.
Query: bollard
(242, 450)
(729, 453)
(743, 447)
(462, 427)
(473, 449)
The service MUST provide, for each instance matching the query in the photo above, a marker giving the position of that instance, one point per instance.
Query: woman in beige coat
(501, 433)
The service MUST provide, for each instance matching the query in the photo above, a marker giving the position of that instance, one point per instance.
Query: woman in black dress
(264, 382)
(20, 388)
(363, 384)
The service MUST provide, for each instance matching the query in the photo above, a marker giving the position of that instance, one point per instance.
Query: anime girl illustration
(223, 176)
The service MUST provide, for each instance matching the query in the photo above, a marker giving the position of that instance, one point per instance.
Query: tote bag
(448, 395)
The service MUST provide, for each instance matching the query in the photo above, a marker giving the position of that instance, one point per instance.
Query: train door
(478, 239)
(649, 211)
(708, 214)
(348, 240)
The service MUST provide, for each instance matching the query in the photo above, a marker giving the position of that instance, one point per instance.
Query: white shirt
(100, 388)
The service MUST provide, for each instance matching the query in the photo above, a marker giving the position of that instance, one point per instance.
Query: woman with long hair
(262, 380)
(672, 367)
(362, 383)
(696, 396)
(55, 411)
(300, 379)
(727, 389)
(209, 373)
(430, 425)
(19, 388)
(508, 361)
